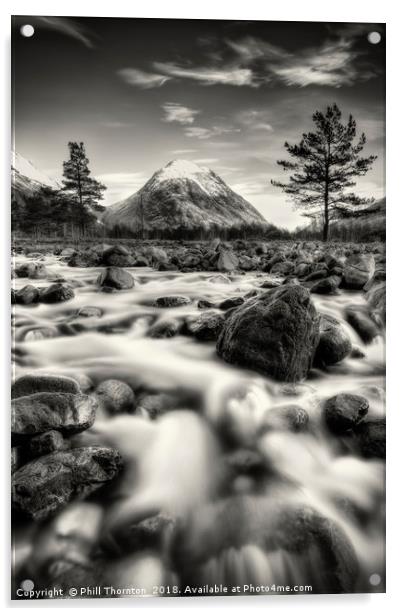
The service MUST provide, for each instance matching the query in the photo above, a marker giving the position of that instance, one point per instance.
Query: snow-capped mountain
(26, 178)
(182, 195)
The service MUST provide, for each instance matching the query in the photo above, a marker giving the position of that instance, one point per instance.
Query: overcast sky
(226, 95)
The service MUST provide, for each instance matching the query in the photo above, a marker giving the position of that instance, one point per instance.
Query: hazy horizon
(226, 95)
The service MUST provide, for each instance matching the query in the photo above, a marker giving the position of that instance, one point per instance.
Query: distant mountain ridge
(183, 195)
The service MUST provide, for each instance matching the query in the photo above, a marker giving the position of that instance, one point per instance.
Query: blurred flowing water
(175, 464)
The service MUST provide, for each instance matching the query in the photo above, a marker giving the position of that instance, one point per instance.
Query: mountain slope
(182, 195)
(27, 179)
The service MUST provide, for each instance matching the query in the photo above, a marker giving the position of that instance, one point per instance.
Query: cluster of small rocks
(48, 470)
(29, 294)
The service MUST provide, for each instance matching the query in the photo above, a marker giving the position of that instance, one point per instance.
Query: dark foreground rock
(57, 292)
(297, 531)
(344, 412)
(116, 278)
(47, 484)
(35, 383)
(38, 413)
(334, 344)
(276, 333)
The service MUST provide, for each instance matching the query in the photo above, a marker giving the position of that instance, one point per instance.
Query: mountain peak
(182, 195)
(181, 168)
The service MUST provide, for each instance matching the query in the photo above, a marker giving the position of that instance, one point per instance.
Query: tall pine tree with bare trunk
(78, 183)
(323, 166)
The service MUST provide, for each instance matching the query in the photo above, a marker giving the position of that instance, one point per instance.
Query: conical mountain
(182, 195)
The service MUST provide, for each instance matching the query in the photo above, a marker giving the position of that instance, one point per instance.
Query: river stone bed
(189, 414)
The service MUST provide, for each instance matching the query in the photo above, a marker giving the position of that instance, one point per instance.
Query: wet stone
(344, 411)
(116, 396)
(116, 278)
(35, 383)
(172, 301)
(47, 484)
(231, 302)
(359, 318)
(41, 412)
(57, 292)
(326, 286)
(27, 295)
(45, 443)
(276, 334)
(372, 438)
(150, 533)
(207, 326)
(334, 344)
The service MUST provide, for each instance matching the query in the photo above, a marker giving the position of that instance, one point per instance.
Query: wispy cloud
(200, 132)
(254, 62)
(116, 124)
(208, 75)
(185, 151)
(333, 63)
(142, 79)
(69, 27)
(174, 112)
(254, 119)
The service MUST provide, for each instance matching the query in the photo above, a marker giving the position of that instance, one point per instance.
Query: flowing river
(175, 463)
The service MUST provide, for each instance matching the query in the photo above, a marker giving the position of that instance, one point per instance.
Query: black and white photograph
(198, 290)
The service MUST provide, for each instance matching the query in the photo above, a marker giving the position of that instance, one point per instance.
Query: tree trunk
(326, 228)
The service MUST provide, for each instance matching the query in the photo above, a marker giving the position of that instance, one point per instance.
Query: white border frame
(286, 10)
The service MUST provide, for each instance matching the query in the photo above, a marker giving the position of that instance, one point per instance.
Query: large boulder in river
(45, 485)
(116, 278)
(334, 344)
(38, 413)
(358, 270)
(276, 333)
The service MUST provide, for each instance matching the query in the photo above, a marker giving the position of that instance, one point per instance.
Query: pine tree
(325, 163)
(84, 190)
